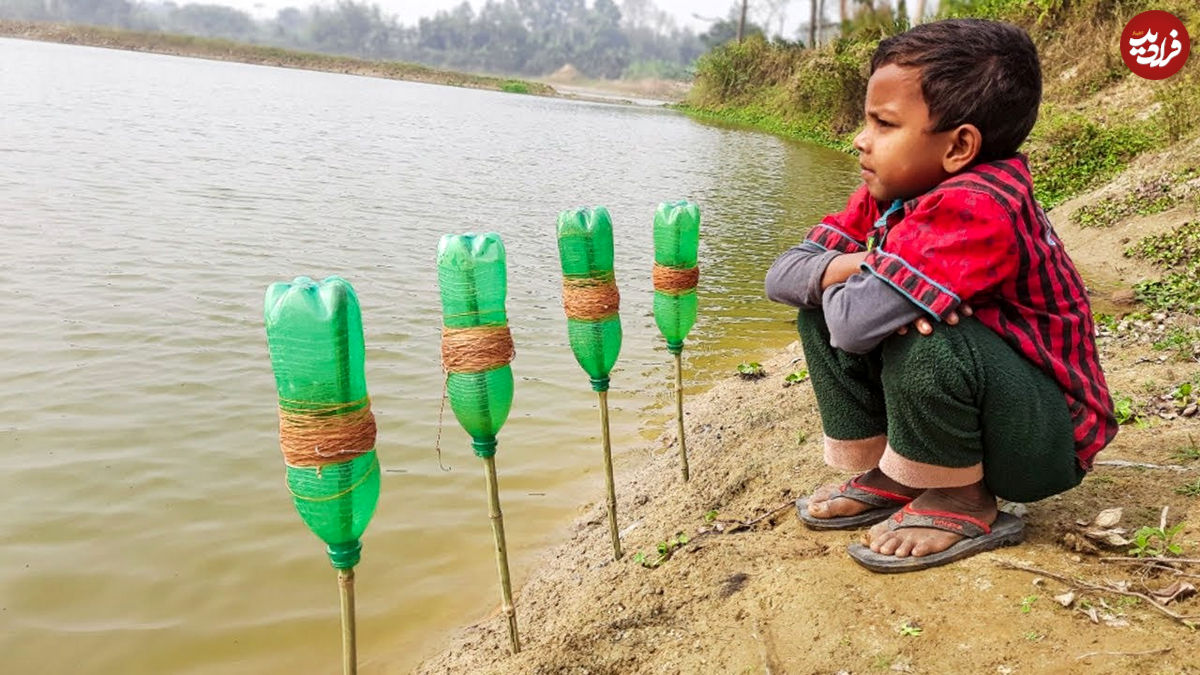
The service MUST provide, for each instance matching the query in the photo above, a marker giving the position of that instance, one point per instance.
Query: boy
(1009, 401)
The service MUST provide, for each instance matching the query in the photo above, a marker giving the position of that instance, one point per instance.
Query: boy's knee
(942, 361)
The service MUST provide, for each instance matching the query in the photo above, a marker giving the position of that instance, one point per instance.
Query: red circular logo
(1155, 44)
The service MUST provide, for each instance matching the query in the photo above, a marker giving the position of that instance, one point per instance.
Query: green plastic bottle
(676, 244)
(315, 339)
(585, 247)
(472, 276)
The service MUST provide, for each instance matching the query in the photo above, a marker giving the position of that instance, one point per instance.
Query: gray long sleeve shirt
(860, 313)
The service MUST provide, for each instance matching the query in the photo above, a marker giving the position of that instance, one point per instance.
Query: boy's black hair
(973, 71)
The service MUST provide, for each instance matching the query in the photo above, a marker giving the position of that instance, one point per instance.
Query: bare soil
(775, 597)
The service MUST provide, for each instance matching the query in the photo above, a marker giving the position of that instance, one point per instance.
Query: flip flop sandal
(885, 504)
(1008, 530)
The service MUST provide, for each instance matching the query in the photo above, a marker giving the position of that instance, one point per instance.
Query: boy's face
(899, 155)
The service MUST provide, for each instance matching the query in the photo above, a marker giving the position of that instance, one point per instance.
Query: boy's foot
(938, 527)
(862, 500)
(971, 503)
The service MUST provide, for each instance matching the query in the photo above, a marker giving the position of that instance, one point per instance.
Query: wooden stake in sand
(477, 349)
(592, 304)
(676, 273)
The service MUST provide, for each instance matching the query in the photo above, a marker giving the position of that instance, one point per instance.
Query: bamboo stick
(679, 412)
(349, 645)
(501, 553)
(608, 476)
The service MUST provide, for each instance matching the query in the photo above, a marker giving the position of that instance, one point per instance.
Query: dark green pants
(957, 398)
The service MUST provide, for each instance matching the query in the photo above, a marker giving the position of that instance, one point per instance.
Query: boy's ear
(965, 144)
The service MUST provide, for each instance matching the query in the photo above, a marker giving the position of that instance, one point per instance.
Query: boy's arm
(864, 310)
(796, 278)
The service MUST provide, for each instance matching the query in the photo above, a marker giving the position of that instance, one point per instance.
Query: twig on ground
(1140, 465)
(1088, 586)
(1152, 565)
(739, 525)
(1183, 561)
(1148, 652)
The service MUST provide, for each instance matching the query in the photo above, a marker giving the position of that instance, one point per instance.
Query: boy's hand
(924, 327)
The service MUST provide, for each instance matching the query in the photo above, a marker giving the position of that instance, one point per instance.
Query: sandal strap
(947, 521)
(853, 489)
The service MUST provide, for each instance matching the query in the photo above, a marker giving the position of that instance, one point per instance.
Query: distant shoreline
(225, 50)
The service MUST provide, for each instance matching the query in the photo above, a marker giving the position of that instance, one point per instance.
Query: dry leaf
(1176, 591)
(1108, 518)
(1115, 621)
(1065, 599)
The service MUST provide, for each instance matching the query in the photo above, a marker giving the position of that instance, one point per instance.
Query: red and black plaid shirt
(980, 237)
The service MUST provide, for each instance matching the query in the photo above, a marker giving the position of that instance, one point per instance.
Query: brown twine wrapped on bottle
(476, 349)
(590, 299)
(316, 437)
(674, 280)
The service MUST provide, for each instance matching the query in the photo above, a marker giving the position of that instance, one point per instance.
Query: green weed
(910, 629)
(1123, 407)
(1191, 489)
(1178, 253)
(1027, 603)
(710, 516)
(1155, 542)
(750, 370)
(796, 376)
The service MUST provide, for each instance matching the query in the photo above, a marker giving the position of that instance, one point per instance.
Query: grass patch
(1178, 253)
(1070, 153)
(515, 87)
(1181, 341)
(1150, 197)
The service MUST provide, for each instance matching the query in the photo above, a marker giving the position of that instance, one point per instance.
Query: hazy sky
(408, 11)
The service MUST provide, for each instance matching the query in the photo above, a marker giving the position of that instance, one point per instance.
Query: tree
(213, 21)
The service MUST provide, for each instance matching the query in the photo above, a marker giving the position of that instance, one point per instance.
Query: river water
(146, 202)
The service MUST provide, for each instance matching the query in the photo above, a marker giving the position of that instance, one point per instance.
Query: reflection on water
(148, 201)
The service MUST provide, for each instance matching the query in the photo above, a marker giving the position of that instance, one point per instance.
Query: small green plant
(801, 437)
(1155, 542)
(664, 550)
(1027, 603)
(710, 516)
(910, 629)
(1183, 394)
(1108, 321)
(1123, 408)
(1034, 636)
(796, 376)
(1191, 489)
(750, 370)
